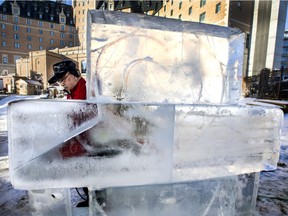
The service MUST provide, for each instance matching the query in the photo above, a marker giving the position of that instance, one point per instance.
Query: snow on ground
(272, 197)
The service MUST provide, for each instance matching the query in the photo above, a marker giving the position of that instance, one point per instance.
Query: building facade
(81, 7)
(33, 25)
(284, 61)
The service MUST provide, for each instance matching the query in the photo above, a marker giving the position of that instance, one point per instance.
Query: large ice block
(172, 61)
(162, 131)
(139, 143)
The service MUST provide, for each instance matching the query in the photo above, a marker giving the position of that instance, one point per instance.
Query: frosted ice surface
(36, 126)
(222, 196)
(50, 202)
(141, 144)
(161, 116)
(172, 61)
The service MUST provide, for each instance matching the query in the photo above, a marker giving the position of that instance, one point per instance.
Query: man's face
(68, 82)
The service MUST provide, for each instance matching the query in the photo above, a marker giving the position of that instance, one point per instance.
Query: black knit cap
(61, 68)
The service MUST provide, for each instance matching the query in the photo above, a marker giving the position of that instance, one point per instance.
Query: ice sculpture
(162, 132)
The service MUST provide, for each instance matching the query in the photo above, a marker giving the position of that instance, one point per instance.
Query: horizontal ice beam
(122, 144)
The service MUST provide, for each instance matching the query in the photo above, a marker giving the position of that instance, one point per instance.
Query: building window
(172, 2)
(52, 33)
(180, 16)
(202, 17)
(28, 13)
(17, 45)
(239, 5)
(247, 40)
(83, 11)
(16, 28)
(28, 22)
(70, 43)
(83, 66)
(40, 23)
(70, 36)
(62, 27)
(218, 7)
(29, 38)
(180, 5)
(62, 43)
(40, 16)
(16, 57)
(51, 18)
(3, 34)
(3, 26)
(16, 19)
(51, 25)
(16, 11)
(40, 31)
(171, 13)
(62, 35)
(62, 20)
(40, 39)
(4, 17)
(40, 47)
(285, 50)
(190, 10)
(16, 36)
(4, 44)
(52, 41)
(29, 46)
(164, 8)
(202, 3)
(28, 29)
(5, 59)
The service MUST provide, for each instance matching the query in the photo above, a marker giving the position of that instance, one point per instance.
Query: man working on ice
(67, 74)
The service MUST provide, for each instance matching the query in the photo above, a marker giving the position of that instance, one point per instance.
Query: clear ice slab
(139, 143)
(139, 58)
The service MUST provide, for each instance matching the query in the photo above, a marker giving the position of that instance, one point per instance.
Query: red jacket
(72, 147)
(79, 91)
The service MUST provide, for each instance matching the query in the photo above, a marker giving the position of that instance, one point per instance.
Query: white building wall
(271, 47)
(276, 34)
(253, 38)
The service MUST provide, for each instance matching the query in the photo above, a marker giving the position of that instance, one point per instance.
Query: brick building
(33, 25)
(81, 7)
